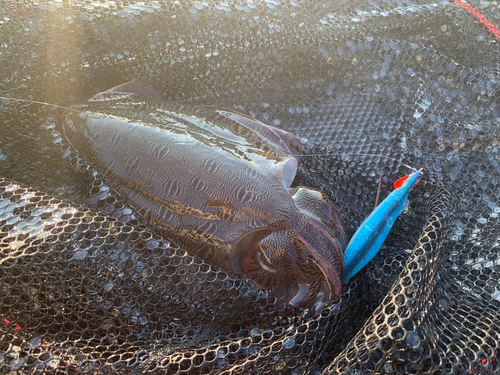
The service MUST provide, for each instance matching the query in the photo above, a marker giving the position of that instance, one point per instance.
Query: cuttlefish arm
(370, 236)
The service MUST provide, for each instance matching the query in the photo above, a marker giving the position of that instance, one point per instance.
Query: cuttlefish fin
(370, 236)
(278, 137)
(135, 88)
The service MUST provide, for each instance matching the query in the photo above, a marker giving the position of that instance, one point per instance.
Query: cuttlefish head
(303, 264)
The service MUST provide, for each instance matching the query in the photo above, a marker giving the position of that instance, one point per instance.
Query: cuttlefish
(219, 183)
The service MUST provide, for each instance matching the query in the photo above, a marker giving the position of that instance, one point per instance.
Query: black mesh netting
(86, 286)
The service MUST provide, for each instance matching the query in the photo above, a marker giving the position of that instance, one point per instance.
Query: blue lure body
(370, 236)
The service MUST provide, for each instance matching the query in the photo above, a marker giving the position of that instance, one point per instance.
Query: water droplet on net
(288, 342)
(81, 254)
(412, 339)
(496, 295)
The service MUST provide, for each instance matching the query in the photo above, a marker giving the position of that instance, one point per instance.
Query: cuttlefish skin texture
(217, 182)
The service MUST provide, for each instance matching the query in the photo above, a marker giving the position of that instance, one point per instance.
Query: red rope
(480, 17)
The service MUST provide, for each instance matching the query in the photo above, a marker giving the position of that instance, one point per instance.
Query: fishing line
(362, 154)
(41, 103)
(295, 155)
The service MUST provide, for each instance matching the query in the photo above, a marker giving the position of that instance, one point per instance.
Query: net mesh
(87, 286)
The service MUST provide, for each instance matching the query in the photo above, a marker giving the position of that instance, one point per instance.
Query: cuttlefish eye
(302, 265)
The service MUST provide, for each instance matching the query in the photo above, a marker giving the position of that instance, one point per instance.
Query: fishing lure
(370, 236)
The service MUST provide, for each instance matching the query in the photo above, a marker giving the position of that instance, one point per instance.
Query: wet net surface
(86, 286)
